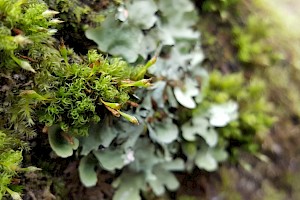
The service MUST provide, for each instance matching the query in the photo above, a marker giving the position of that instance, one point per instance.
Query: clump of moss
(43, 84)
(254, 118)
(223, 8)
(26, 29)
(10, 159)
(26, 44)
(252, 42)
(83, 89)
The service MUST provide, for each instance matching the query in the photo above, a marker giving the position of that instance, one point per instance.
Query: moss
(42, 84)
(218, 5)
(251, 41)
(223, 8)
(81, 89)
(28, 39)
(10, 160)
(53, 86)
(254, 109)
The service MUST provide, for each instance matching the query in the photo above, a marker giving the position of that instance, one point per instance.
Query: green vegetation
(254, 109)
(43, 85)
(224, 8)
(252, 42)
(141, 123)
(26, 46)
(218, 5)
(25, 32)
(203, 137)
(10, 159)
(82, 88)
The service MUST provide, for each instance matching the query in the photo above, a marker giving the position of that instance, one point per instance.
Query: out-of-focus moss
(254, 118)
